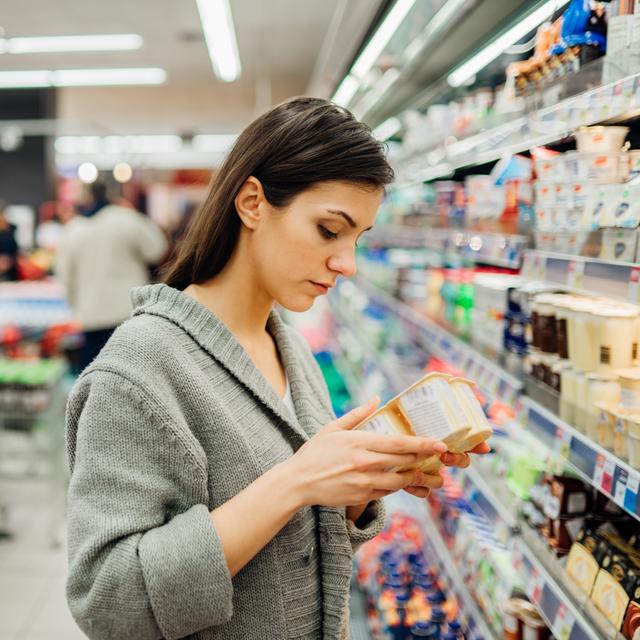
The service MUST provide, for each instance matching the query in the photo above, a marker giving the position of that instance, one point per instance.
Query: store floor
(33, 565)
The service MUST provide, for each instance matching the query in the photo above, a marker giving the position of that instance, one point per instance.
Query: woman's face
(300, 250)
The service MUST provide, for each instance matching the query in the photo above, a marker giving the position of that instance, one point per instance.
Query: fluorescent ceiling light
(345, 92)
(50, 44)
(220, 36)
(487, 55)
(381, 37)
(81, 77)
(211, 142)
(15, 79)
(118, 144)
(87, 77)
(387, 129)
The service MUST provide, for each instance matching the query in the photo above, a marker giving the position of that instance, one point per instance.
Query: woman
(213, 494)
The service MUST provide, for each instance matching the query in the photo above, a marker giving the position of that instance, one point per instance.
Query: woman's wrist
(284, 477)
(354, 512)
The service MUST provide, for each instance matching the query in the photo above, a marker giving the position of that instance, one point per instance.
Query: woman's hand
(340, 467)
(423, 485)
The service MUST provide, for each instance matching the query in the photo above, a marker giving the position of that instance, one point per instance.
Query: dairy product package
(438, 406)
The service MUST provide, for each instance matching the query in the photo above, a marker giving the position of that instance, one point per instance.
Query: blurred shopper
(100, 259)
(8, 247)
(213, 493)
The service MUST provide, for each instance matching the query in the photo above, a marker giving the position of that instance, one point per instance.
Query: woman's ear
(250, 202)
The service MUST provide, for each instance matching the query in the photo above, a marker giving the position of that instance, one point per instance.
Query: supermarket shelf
(494, 507)
(475, 246)
(490, 378)
(437, 549)
(595, 465)
(560, 613)
(618, 280)
(545, 126)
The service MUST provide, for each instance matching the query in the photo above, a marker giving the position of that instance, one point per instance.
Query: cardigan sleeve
(372, 520)
(145, 560)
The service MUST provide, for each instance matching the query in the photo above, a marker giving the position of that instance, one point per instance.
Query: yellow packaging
(480, 428)
(610, 597)
(582, 567)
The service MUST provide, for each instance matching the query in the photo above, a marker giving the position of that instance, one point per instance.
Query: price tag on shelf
(607, 476)
(535, 586)
(563, 623)
(621, 488)
(575, 275)
(634, 286)
(562, 443)
(598, 472)
(631, 492)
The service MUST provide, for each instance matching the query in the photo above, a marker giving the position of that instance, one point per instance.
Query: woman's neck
(236, 297)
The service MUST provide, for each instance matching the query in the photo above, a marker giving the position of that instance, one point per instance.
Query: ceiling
(287, 48)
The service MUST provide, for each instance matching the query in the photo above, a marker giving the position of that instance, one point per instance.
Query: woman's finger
(482, 448)
(402, 445)
(390, 481)
(461, 460)
(429, 481)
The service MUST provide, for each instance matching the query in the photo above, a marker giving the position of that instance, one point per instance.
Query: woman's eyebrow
(344, 215)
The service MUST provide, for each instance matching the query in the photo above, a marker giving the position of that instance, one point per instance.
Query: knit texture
(170, 421)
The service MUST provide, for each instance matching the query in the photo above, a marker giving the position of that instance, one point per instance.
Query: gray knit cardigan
(169, 422)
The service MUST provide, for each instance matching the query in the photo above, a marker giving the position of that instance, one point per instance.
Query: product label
(562, 442)
(607, 476)
(631, 493)
(621, 487)
(630, 399)
(425, 408)
(380, 424)
(563, 623)
(634, 285)
(575, 274)
(552, 507)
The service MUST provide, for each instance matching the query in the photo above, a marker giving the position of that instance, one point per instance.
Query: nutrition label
(380, 424)
(425, 408)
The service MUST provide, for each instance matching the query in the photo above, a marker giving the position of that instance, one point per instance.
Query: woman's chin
(297, 304)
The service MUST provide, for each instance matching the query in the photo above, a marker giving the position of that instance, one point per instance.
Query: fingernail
(440, 447)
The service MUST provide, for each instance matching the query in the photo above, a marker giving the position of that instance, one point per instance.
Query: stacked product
(589, 189)
(405, 597)
(604, 563)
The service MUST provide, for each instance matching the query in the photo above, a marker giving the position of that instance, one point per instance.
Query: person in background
(8, 247)
(100, 259)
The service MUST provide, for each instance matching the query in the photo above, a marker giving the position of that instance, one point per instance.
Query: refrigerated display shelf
(438, 550)
(615, 100)
(587, 276)
(453, 244)
(595, 465)
(547, 583)
(490, 377)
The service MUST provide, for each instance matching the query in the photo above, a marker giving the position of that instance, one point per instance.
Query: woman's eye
(325, 233)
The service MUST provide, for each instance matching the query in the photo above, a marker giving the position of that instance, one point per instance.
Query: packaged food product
(567, 393)
(600, 389)
(631, 627)
(629, 387)
(582, 566)
(606, 424)
(480, 428)
(634, 163)
(619, 244)
(633, 444)
(583, 336)
(534, 627)
(617, 581)
(603, 168)
(616, 337)
(600, 139)
(545, 194)
(626, 213)
(512, 611)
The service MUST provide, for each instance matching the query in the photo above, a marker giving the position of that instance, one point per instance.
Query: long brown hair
(289, 148)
